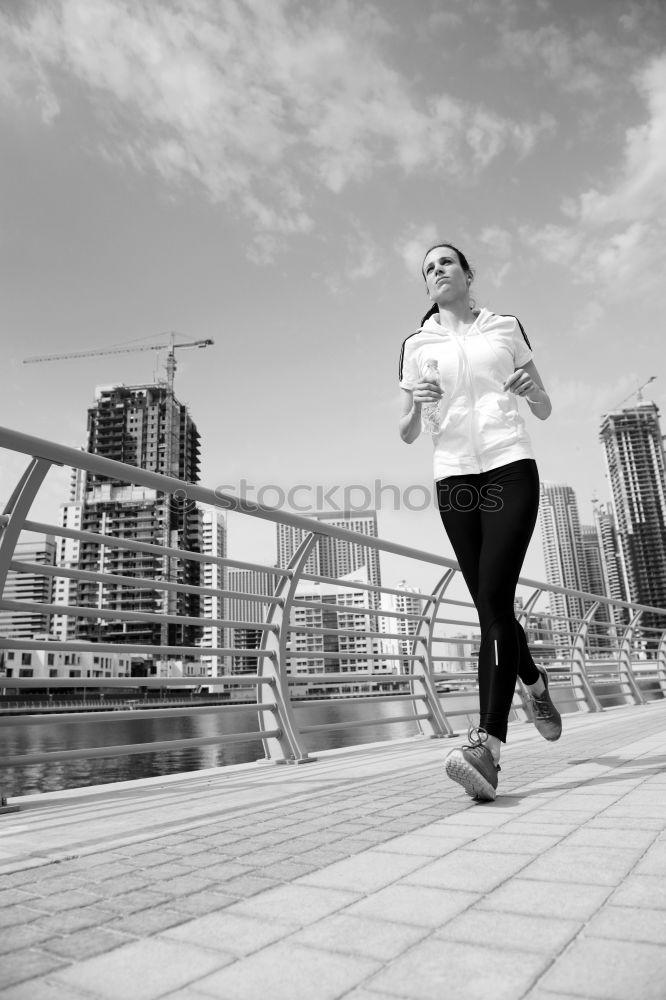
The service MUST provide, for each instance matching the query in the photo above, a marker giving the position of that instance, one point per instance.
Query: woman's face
(444, 277)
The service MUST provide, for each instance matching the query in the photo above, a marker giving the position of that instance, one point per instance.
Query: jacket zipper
(468, 368)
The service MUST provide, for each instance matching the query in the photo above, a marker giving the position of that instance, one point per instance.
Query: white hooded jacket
(481, 427)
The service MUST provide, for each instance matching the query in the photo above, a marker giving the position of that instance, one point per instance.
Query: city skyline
(138, 200)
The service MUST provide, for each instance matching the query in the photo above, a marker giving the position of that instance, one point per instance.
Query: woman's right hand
(427, 391)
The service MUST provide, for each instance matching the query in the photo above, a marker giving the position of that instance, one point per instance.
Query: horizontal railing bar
(348, 654)
(456, 621)
(194, 680)
(357, 699)
(123, 615)
(370, 633)
(128, 750)
(371, 587)
(350, 609)
(359, 723)
(125, 648)
(346, 678)
(123, 715)
(112, 579)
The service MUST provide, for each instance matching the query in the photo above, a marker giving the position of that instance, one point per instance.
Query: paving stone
(435, 969)
(131, 902)
(654, 862)
(9, 897)
(610, 970)
(365, 872)
(567, 900)
(305, 973)
(71, 899)
(382, 940)
(244, 886)
(413, 904)
(503, 842)
(17, 914)
(85, 944)
(205, 901)
(142, 970)
(426, 844)
(22, 936)
(473, 871)
(296, 905)
(583, 864)
(230, 933)
(146, 922)
(646, 891)
(41, 989)
(594, 835)
(510, 930)
(625, 923)
(74, 920)
(26, 964)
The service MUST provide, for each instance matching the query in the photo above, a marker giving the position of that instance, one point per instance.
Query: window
(95, 659)
(53, 673)
(10, 656)
(75, 673)
(26, 659)
(50, 660)
(25, 673)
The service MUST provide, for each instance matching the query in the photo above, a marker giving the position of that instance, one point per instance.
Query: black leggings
(489, 518)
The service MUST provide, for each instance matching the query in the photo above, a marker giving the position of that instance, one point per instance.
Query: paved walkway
(365, 875)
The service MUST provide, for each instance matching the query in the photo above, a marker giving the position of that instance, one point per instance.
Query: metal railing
(380, 656)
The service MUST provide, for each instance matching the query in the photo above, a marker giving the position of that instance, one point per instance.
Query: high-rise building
(405, 603)
(612, 562)
(254, 584)
(341, 609)
(212, 606)
(634, 453)
(563, 556)
(335, 557)
(31, 586)
(147, 427)
(593, 557)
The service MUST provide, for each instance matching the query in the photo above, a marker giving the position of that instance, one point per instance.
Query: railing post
(661, 663)
(578, 660)
(17, 509)
(624, 662)
(437, 725)
(521, 690)
(288, 747)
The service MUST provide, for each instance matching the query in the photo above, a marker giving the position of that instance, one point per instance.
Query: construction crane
(172, 347)
(637, 392)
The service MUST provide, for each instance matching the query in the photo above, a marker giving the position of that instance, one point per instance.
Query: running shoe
(473, 767)
(546, 717)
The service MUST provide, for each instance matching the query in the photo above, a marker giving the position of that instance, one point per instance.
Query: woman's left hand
(521, 384)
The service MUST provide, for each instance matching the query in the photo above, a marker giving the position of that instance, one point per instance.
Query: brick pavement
(364, 876)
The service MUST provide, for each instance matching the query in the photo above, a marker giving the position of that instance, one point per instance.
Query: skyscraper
(335, 557)
(147, 427)
(593, 558)
(32, 586)
(634, 453)
(612, 562)
(563, 557)
(213, 543)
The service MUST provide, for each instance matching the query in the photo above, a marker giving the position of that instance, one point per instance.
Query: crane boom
(114, 350)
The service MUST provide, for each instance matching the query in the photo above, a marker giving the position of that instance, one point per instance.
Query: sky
(269, 175)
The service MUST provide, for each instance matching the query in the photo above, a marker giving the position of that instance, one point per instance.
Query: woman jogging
(469, 365)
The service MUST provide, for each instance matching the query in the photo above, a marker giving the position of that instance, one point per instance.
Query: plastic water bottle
(431, 413)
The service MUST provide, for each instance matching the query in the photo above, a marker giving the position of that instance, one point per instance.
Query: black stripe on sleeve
(522, 328)
(402, 354)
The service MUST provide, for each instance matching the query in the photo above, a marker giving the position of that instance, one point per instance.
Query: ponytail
(431, 312)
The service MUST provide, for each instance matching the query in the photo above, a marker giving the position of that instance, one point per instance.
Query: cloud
(411, 247)
(260, 105)
(614, 236)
